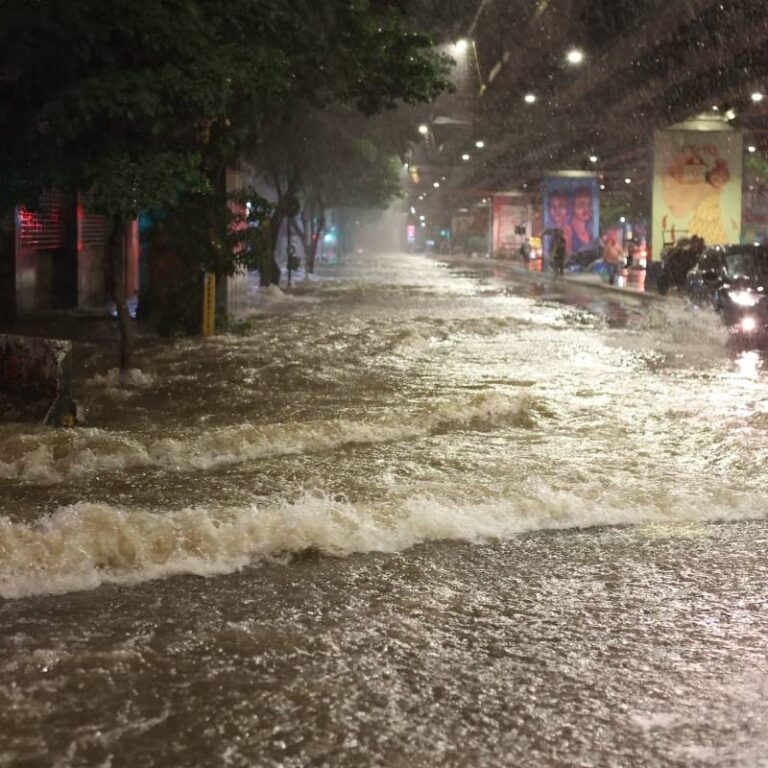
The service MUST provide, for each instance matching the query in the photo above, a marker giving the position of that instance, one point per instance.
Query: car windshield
(748, 265)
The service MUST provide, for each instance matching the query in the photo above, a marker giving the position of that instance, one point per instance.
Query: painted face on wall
(558, 209)
(582, 206)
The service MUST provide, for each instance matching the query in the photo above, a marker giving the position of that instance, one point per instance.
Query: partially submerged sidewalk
(629, 283)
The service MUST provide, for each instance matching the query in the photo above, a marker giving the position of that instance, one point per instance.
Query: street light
(751, 148)
(480, 144)
(757, 97)
(461, 46)
(574, 56)
(465, 157)
(436, 185)
(423, 130)
(530, 98)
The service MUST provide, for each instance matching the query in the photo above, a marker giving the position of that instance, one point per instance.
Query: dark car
(676, 261)
(733, 279)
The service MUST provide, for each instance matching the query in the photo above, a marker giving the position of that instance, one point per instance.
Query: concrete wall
(36, 380)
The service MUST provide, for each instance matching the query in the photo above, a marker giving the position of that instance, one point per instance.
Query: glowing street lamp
(751, 148)
(530, 98)
(423, 130)
(593, 158)
(461, 46)
(574, 56)
(479, 144)
(465, 157)
(436, 185)
(757, 97)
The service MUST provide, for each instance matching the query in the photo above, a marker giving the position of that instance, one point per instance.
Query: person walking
(558, 251)
(526, 250)
(612, 253)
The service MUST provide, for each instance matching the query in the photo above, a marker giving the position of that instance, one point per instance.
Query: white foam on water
(677, 328)
(47, 457)
(84, 545)
(134, 378)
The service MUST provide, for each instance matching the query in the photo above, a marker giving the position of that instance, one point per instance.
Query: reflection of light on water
(749, 364)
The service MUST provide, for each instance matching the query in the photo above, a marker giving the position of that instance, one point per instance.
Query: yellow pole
(209, 304)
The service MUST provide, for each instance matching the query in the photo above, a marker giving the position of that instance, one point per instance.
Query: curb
(550, 277)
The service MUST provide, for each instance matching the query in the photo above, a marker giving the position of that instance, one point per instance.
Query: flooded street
(419, 515)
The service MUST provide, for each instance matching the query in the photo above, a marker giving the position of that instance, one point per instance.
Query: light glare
(461, 46)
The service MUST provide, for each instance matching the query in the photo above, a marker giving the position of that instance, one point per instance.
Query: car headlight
(744, 299)
(748, 324)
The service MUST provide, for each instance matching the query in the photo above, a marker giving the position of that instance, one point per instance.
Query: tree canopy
(139, 102)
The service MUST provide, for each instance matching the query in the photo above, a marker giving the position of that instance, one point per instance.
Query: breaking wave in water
(81, 546)
(679, 329)
(53, 457)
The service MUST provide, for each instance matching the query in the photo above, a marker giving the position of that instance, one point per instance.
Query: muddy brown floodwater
(421, 515)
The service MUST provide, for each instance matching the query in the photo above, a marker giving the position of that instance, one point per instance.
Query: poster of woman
(697, 187)
(572, 205)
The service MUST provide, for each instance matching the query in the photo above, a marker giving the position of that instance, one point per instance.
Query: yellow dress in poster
(707, 221)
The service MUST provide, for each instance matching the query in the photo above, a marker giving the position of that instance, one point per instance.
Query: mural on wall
(572, 204)
(697, 187)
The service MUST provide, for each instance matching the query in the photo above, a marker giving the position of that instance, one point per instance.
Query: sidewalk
(74, 324)
(630, 283)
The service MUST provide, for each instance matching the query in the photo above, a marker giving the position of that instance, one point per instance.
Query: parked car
(733, 279)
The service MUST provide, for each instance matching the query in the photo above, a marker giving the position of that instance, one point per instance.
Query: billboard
(511, 217)
(696, 186)
(572, 204)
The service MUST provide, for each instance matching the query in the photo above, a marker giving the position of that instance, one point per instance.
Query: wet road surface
(419, 516)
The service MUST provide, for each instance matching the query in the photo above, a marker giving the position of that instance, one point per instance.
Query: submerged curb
(550, 278)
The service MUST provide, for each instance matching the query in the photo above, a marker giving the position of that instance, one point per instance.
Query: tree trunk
(302, 232)
(309, 233)
(269, 273)
(318, 227)
(116, 265)
(7, 271)
(312, 256)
